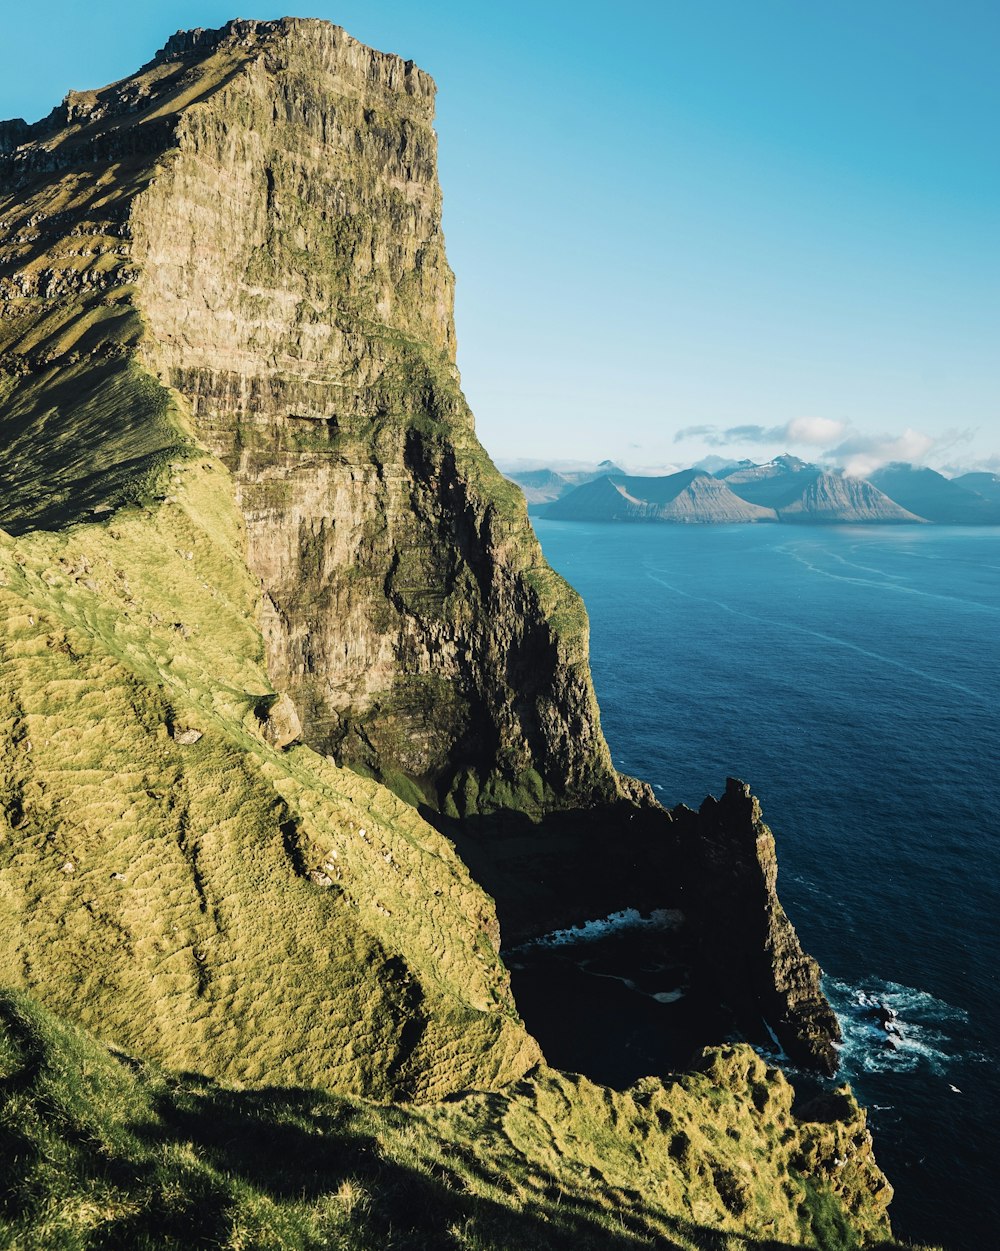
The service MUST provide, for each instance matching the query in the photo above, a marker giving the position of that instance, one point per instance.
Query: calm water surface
(852, 676)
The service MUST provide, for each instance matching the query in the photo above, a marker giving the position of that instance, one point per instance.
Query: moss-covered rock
(100, 1150)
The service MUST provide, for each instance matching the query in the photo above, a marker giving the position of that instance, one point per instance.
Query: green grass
(102, 1151)
(81, 436)
(257, 914)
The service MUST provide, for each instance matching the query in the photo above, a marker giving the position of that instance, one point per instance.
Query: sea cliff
(297, 722)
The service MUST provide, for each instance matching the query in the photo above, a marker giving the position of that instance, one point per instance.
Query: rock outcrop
(745, 936)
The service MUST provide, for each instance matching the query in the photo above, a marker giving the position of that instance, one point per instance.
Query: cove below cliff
(854, 676)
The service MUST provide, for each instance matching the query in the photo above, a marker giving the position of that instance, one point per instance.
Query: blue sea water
(852, 676)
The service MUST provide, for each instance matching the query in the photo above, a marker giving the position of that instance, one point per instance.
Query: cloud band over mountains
(857, 454)
(814, 431)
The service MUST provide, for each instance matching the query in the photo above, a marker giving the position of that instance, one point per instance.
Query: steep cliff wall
(254, 220)
(408, 609)
(242, 504)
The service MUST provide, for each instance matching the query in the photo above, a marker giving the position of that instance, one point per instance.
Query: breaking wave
(890, 1028)
(627, 921)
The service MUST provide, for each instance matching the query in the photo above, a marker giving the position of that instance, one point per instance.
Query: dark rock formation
(744, 934)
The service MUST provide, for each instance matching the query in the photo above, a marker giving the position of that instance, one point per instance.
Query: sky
(680, 227)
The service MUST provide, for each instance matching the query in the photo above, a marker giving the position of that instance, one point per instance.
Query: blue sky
(681, 227)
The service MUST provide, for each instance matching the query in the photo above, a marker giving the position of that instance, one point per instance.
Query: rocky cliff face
(408, 610)
(732, 873)
(254, 220)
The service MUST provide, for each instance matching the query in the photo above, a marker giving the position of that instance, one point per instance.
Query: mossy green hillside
(102, 1151)
(217, 904)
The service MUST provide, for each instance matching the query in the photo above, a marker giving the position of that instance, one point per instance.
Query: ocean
(852, 676)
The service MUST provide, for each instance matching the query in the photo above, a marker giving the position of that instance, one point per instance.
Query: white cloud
(816, 431)
(981, 464)
(862, 454)
(809, 431)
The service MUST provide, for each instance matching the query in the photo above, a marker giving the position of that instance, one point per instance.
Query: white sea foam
(628, 920)
(661, 996)
(921, 1027)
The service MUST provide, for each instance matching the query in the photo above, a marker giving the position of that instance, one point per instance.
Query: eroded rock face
(744, 934)
(254, 219)
(296, 292)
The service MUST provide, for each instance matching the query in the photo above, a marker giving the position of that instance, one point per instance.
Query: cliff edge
(254, 221)
(273, 625)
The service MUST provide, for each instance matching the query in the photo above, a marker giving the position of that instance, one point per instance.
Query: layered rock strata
(254, 219)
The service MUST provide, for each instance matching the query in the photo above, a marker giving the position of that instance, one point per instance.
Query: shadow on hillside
(570, 866)
(302, 1145)
(623, 1006)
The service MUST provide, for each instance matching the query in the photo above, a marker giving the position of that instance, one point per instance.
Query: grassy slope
(172, 896)
(101, 1151)
(159, 893)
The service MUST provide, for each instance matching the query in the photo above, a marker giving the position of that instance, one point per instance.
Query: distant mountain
(831, 498)
(784, 489)
(780, 467)
(689, 497)
(948, 501)
(776, 484)
(714, 464)
(985, 484)
(542, 486)
(799, 491)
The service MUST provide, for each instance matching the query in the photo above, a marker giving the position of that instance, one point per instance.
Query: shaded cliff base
(100, 1150)
(729, 942)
